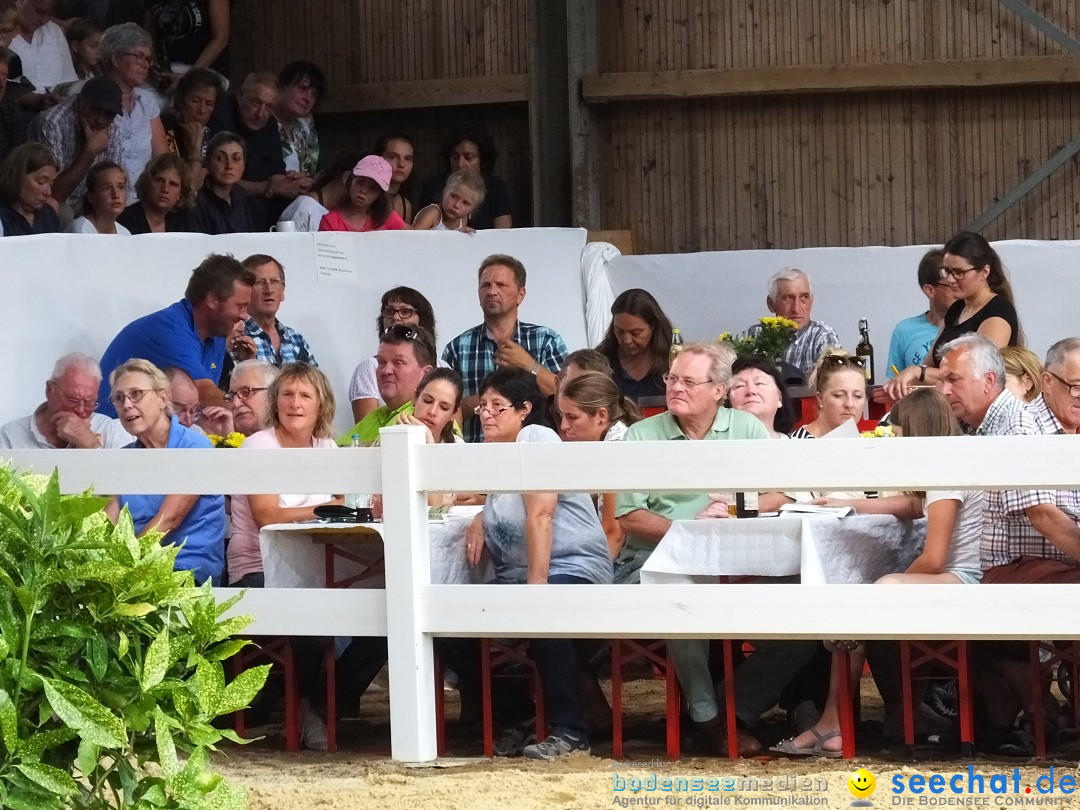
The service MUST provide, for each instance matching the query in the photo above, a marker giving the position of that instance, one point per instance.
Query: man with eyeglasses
(406, 354)
(502, 341)
(247, 407)
(912, 338)
(270, 339)
(185, 398)
(66, 418)
(189, 334)
(696, 388)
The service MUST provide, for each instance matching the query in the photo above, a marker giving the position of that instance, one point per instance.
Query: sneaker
(313, 732)
(943, 699)
(555, 746)
(513, 741)
(1017, 743)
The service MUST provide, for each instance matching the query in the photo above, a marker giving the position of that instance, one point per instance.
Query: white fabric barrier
(705, 294)
(66, 293)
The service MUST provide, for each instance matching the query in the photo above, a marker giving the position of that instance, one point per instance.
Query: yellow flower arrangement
(234, 439)
(880, 432)
(769, 337)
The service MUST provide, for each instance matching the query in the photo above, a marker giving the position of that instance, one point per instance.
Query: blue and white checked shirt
(294, 348)
(472, 355)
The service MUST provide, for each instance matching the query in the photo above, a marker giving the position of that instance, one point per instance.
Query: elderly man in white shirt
(42, 46)
(66, 418)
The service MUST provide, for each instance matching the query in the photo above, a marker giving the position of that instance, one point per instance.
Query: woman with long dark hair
(637, 344)
(472, 150)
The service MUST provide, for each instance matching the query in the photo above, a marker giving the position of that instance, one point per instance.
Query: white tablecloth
(855, 549)
(292, 560)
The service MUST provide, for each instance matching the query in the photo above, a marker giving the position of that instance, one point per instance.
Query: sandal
(816, 750)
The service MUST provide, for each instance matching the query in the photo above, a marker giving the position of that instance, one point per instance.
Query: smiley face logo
(862, 784)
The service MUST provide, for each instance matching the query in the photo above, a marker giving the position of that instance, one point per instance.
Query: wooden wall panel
(864, 168)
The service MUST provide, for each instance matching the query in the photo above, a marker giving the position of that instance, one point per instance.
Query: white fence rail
(411, 611)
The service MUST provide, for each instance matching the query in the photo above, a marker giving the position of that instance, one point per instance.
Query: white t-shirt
(23, 434)
(306, 212)
(83, 225)
(245, 553)
(46, 58)
(964, 546)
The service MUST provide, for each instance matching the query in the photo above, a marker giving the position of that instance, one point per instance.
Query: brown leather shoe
(709, 739)
(749, 745)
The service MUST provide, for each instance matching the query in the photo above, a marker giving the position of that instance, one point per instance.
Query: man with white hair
(973, 381)
(66, 418)
(248, 406)
(791, 297)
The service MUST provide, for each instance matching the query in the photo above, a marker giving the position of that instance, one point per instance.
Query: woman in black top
(637, 344)
(984, 305)
(186, 121)
(470, 149)
(190, 33)
(165, 198)
(26, 178)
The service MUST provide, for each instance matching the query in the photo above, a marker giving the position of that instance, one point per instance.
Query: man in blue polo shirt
(502, 340)
(189, 334)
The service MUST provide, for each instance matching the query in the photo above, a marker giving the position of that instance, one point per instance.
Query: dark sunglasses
(837, 360)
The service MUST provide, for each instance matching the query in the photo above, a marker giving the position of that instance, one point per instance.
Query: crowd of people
(153, 105)
(220, 361)
(134, 130)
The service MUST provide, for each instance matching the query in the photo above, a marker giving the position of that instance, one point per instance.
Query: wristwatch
(535, 369)
(269, 189)
(922, 373)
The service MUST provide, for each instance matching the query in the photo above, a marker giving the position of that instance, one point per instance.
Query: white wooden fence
(411, 611)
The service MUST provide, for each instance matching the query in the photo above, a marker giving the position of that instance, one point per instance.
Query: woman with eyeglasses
(539, 537)
(400, 306)
(140, 394)
(984, 304)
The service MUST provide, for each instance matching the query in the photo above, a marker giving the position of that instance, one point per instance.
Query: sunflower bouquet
(769, 337)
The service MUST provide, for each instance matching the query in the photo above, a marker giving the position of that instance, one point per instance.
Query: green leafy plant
(110, 662)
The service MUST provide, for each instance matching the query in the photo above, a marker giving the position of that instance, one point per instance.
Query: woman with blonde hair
(839, 385)
(1023, 372)
(196, 523)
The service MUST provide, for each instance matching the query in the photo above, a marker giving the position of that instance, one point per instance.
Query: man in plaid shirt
(502, 340)
(265, 337)
(973, 382)
(790, 297)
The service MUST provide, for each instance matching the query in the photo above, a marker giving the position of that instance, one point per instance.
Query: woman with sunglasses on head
(140, 393)
(400, 306)
(838, 382)
(539, 537)
(984, 304)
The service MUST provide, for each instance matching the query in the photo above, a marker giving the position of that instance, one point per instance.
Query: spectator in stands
(80, 132)
(696, 387)
(637, 344)
(329, 191)
(84, 42)
(984, 304)
(186, 122)
(1023, 373)
(972, 380)
(301, 415)
(9, 25)
(189, 334)
(190, 34)
(41, 45)
(12, 125)
(303, 85)
(463, 193)
(839, 385)
(1029, 537)
(791, 297)
(66, 418)
(126, 55)
(435, 404)
(165, 198)
(577, 362)
(26, 182)
(106, 199)
(184, 397)
(366, 206)
(247, 408)
(398, 150)
(222, 205)
(250, 114)
(950, 555)
(194, 523)
(472, 150)
(502, 340)
(273, 341)
(913, 337)
(400, 306)
(553, 538)
(406, 354)
(592, 409)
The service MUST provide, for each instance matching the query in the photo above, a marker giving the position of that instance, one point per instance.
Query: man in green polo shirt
(696, 388)
(406, 354)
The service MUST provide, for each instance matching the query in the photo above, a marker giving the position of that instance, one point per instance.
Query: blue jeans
(560, 673)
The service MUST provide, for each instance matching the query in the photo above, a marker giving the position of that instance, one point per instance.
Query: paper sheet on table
(848, 430)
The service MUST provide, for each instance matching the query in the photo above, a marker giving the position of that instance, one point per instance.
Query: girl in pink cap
(366, 206)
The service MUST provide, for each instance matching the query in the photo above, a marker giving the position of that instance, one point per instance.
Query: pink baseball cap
(376, 168)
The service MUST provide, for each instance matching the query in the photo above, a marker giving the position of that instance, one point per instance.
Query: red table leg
(729, 701)
(846, 705)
